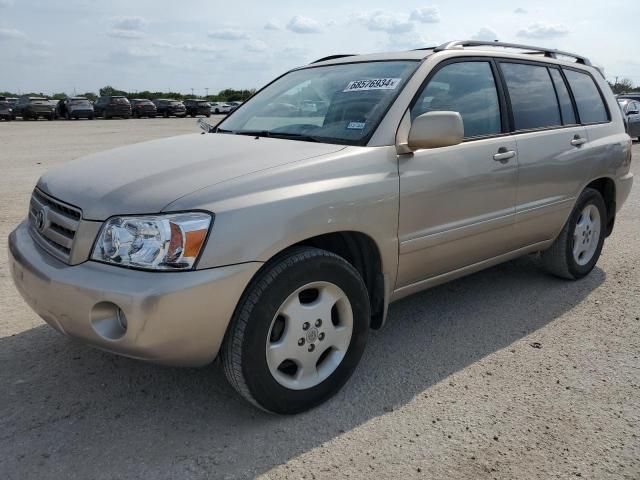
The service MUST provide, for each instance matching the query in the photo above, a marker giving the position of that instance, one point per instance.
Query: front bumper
(174, 318)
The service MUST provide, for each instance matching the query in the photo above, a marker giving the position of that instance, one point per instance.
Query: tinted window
(468, 88)
(566, 107)
(590, 105)
(533, 99)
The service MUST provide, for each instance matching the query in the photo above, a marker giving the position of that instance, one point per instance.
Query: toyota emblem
(41, 219)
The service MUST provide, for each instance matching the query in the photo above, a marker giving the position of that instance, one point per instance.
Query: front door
(457, 204)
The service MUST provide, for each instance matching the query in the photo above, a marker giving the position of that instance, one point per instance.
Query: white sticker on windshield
(356, 125)
(373, 84)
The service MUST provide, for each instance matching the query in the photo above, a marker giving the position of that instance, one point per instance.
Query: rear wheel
(576, 250)
(298, 332)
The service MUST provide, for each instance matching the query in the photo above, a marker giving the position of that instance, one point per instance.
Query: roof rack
(332, 57)
(547, 52)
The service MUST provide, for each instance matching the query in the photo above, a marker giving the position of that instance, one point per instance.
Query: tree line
(226, 95)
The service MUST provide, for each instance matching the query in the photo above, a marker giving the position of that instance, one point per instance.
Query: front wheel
(298, 332)
(576, 250)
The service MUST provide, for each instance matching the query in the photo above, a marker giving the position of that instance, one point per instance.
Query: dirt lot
(508, 373)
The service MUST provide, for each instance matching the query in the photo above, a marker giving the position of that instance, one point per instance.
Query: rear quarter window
(590, 105)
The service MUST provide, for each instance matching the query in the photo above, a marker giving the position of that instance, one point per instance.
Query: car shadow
(68, 411)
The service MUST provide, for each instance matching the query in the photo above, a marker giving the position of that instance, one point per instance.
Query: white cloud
(271, 26)
(228, 34)
(187, 47)
(300, 24)
(255, 46)
(406, 41)
(128, 23)
(485, 33)
(133, 54)
(380, 21)
(127, 27)
(129, 34)
(520, 11)
(425, 15)
(541, 30)
(11, 34)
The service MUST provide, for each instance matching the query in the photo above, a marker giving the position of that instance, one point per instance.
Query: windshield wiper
(272, 134)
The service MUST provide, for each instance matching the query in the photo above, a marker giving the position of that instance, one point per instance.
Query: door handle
(578, 140)
(504, 155)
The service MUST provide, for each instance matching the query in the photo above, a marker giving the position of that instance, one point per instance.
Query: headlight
(158, 242)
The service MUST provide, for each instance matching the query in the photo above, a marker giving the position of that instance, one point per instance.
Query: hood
(146, 177)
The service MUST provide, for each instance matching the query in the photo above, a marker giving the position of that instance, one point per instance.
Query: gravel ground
(508, 373)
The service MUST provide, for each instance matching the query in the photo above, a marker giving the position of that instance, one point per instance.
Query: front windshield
(334, 104)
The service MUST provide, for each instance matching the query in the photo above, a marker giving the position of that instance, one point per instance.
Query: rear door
(457, 203)
(550, 144)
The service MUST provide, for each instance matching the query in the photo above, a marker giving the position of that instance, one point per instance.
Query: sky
(81, 45)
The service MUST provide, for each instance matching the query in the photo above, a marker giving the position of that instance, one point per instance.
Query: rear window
(591, 108)
(533, 97)
(119, 100)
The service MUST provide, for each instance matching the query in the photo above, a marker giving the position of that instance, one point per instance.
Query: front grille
(53, 224)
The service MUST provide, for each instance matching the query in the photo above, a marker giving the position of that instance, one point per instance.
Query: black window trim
(602, 97)
(504, 118)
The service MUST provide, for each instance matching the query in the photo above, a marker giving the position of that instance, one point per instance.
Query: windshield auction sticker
(373, 84)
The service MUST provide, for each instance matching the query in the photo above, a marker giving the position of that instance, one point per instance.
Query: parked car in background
(12, 101)
(196, 107)
(6, 112)
(32, 108)
(220, 107)
(168, 107)
(277, 242)
(75, 107)
(143, 107)
(629, 96)
(112, 106)
(631, 110)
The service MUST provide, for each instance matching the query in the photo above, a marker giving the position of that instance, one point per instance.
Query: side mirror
(436, 129)
(205, 126)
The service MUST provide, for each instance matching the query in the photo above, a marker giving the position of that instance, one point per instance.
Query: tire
(208, 115)
(217, 111)
(91, 117)
(582, 227)
(343, 327)
(50, 117)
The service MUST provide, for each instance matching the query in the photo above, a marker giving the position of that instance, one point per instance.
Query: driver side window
(468, 88)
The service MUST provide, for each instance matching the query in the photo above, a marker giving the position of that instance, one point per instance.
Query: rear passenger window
(566, 107)
(468, 88)
(588, 100)
(533, 98)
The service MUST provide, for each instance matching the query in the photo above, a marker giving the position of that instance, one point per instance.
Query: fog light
(108, 321)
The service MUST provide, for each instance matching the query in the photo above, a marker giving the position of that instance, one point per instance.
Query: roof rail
(547, 52)
(332, 57)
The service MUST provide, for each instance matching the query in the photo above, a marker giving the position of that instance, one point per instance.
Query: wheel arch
(363, 253)
(607, 188)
